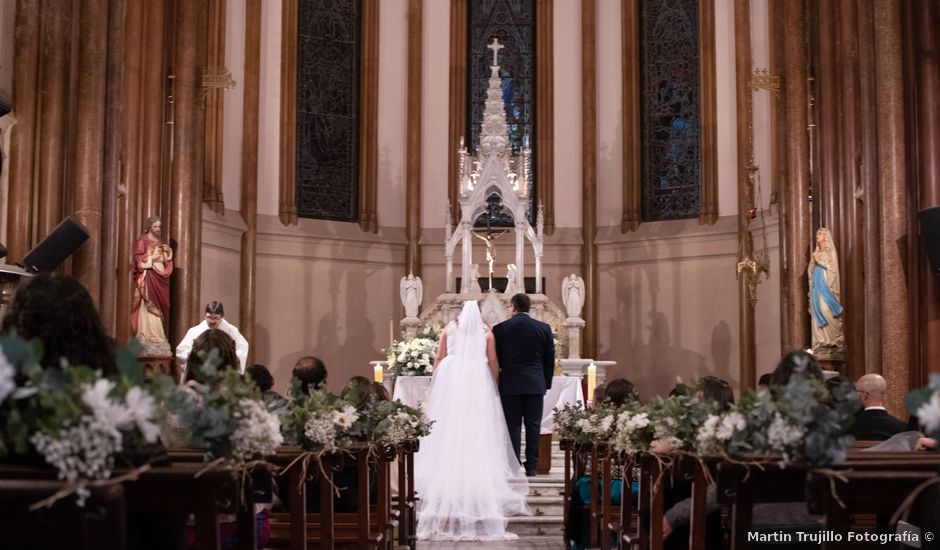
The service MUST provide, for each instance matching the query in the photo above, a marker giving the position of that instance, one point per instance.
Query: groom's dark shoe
(529, 470)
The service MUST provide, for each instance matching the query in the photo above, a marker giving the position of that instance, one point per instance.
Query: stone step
(546, 489)
(545, 505)
(529, 526)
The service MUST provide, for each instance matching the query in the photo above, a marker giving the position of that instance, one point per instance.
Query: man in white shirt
(214, 314)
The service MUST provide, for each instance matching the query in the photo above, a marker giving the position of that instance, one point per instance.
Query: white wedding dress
(467, 479)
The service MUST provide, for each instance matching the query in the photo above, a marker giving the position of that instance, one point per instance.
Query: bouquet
(392, 422)
(415, 356)
(319, 421)
(79, 422)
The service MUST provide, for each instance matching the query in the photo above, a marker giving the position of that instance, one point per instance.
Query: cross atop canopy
(495, 46)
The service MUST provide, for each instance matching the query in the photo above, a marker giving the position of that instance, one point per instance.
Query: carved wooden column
(368, 117)
(111, 173)
(249, 195)
(186, 192)
(852, 252)
(746, 277)
(25, 96)
(545, 110)
(827, 200)
(155, 89)
(287, 177)
(632, 146)
(413, 139)
(128, 208)
(869, 208)
(53, 114)
(922, 64)
(796, 215)
(892, 166)
(457, 117)
(215, 109)
(88, 140)
(589, 171)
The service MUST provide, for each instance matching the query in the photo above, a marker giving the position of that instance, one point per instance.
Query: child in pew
(616, 392)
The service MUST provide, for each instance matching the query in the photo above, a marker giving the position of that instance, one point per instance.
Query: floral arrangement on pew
(925, 404)
(322, 421)
(801, 423)
(415, 356)
(675, 420)
(222, 411)
(82, 424)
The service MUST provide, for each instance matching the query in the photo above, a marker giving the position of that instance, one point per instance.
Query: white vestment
(186, 345)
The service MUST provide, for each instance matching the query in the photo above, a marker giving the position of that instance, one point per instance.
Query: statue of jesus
(153, 264)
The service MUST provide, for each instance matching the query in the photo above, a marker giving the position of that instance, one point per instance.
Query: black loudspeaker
(56, 247)
(930, 229)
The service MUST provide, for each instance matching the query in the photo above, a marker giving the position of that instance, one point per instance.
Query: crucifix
(496, 46)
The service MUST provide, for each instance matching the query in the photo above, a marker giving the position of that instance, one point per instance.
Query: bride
(467, 477)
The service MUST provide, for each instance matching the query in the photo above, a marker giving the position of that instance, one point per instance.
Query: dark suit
(876, 425)
(526, 356)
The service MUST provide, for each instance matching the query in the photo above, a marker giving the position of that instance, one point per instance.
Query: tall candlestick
(592, 382)
(377, 373)
(391, 332)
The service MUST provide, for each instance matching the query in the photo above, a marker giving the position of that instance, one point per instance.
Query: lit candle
(377, 371)
(592, 381)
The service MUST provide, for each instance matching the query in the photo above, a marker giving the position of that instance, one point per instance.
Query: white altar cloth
(413, 391)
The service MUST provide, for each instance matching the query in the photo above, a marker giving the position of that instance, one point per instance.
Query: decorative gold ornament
(762, 79)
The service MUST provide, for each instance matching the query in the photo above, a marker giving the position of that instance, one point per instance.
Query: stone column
(892, 173)
(88, 140)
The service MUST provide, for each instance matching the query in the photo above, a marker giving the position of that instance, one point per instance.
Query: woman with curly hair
(214, 338)
(58, 311)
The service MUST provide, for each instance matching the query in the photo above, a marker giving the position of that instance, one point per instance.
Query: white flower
(346, 417)
(85, 451)
(257, 432)
(320, 431)
(732, 422)
(929, 413)
(781, 434)
(109, 412)
(7, 373)
(707, 431)
(140, 405)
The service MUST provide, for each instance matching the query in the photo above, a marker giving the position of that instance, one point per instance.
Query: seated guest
(790, 362)
(214, 319)
(874, 423)
(209, 340)
(311, 372)
(380, 392)
(359, 390)
(763, 383)
(57, 310)
(614, 393)
(678, 515)
(263, 379)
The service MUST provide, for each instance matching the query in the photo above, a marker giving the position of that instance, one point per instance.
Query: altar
(565, 390)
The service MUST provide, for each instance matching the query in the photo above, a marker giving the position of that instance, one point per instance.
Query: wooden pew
(370, 526)
(861, 492)
(99, 525)
(742, 488)
(172, 489)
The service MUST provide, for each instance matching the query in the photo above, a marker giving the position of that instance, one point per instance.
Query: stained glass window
(513, 23)
(670, 106)
(328, 46)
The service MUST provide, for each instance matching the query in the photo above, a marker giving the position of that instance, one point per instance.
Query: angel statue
(572, 294)
(473, 285)
(824, 293)
(411, 293)
(512, 284)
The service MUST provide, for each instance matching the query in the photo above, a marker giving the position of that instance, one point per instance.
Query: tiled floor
(530, 543)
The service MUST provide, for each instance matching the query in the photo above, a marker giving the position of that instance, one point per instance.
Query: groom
(526, 356)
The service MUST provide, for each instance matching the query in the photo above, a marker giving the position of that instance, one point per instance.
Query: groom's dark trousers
(526, 356)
